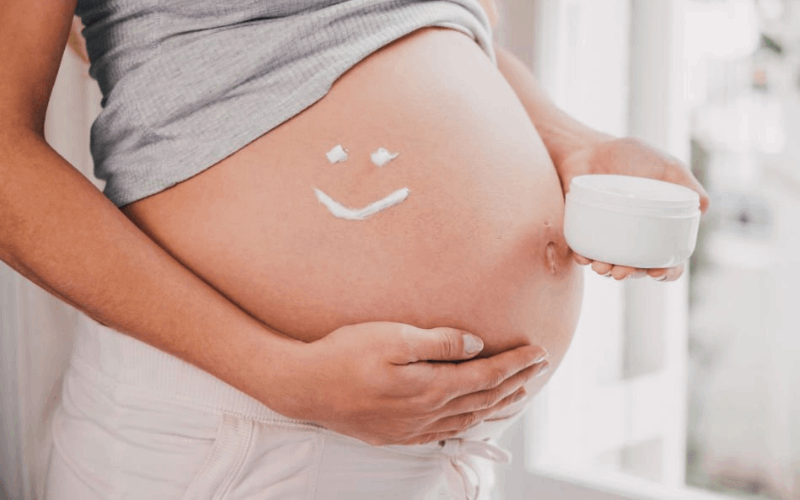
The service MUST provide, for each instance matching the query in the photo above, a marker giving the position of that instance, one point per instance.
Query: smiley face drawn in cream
(379, 158)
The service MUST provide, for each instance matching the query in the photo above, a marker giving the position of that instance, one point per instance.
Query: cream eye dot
(631, 221)
(337, 154)
(381, 157)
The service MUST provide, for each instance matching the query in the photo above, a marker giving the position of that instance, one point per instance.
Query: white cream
(381, 157)
(342, 212)
(337, 154)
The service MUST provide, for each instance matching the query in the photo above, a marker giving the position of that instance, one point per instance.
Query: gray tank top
(186, 83)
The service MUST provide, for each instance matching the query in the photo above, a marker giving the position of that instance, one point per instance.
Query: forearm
(60, 232)
(560, 133)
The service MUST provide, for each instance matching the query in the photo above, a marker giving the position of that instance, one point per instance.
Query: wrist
(269, 367)
(562, 144)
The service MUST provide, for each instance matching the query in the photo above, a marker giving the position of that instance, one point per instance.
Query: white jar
(631, 221)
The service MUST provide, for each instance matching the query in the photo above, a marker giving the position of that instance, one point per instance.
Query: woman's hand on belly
(390, 383)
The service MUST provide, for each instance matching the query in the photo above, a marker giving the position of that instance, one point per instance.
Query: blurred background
(686, 390)
(683, 390)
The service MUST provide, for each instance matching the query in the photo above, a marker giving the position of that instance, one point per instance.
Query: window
(689, 396)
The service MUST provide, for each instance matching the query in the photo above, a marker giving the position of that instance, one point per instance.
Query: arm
(80, 247)
(559, 131)
(60, 232)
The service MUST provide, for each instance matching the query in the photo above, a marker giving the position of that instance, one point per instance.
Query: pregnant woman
(307, 206)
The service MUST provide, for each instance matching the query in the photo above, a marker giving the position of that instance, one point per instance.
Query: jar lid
(634, 192)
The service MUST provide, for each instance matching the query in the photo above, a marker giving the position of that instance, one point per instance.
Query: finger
(602, 268)
(686, 178)
(673, 273)
(483, 400)
(464, 421)
(695, 185)
(580, 259)
(620, 273)
(436, 344)
(669, 274)
(705, 201)
(486, 373)
(658, 274)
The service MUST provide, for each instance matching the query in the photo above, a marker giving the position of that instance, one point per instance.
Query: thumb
(439, 344)
(687, 179)
(704, 199)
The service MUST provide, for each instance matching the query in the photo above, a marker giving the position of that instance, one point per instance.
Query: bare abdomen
(477, 244)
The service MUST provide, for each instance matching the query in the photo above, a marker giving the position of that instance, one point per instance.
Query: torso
(477, 244)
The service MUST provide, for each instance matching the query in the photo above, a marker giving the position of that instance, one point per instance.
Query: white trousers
(137, 423)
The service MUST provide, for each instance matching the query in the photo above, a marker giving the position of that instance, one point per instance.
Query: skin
(411, 385)
(474, 246)
(392, 396)
(592, 152)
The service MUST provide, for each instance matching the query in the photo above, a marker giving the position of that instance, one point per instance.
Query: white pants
(137, 423)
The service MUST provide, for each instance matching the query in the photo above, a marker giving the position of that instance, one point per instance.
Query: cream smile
(342, 212)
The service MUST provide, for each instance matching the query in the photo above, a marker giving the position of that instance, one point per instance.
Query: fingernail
(472, 344)
(543, 370)
(607, 275)
(661, 278)
(541, 357)
(520, 395)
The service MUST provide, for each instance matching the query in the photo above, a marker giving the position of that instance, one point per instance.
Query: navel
(550, 253)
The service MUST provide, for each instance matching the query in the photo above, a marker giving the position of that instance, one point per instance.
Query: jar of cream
(631, 221)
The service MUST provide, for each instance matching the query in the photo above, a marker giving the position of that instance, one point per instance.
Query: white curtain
(36, 329)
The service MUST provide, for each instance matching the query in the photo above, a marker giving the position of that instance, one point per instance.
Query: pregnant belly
(477, 244)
